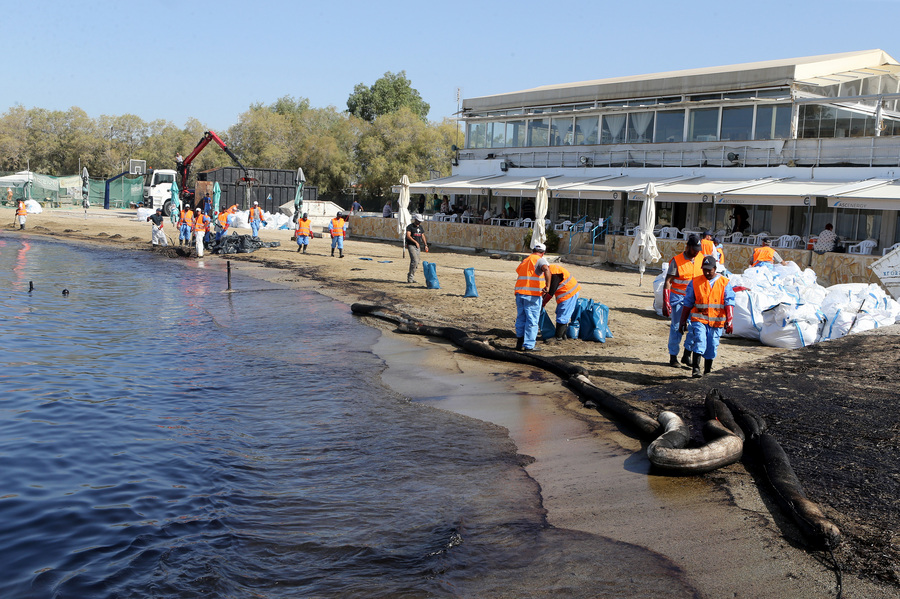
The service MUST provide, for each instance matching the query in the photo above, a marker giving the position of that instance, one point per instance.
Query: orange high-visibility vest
(337, 227)
(530, 282)
(721, 251)
(709, 306)
(20, 208)
(257, 211)
(232, 209)
(687, 270)
(763, 254)
(707, 247)
(202, 223)
(182, 220)
(569, 286)
(188, 218)
(223, 220)
(304, 227)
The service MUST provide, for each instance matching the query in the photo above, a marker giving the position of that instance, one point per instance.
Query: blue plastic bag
(585, 318)
(546, 326)
(574, 322)
(471, 290)
(593, 321)
(431, 280)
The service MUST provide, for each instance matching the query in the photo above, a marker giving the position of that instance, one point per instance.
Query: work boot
(342, 255)
(530, 349)
(707, 366)
(686, 358)
(299, 248)
(304, 249)
(696, 367)
(332, 252)
(673, 361)
(561, 332)
(519, 342)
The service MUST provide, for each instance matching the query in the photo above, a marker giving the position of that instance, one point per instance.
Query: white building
(797, 143)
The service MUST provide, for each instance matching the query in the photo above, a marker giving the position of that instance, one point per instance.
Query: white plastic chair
(669, 233)
(863, 247)
(797, 241)
(526, 223)
(784, 242)
(887, 251)
(563, 226)
(453, 218)
(633, 231)
(733, 238)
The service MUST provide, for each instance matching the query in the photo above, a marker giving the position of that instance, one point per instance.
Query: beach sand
(721, 529)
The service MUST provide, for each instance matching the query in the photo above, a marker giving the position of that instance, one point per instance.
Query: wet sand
(593, 475)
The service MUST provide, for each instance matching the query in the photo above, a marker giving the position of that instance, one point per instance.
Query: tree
(387, 95)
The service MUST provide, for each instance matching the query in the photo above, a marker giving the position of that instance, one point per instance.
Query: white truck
(158, 189)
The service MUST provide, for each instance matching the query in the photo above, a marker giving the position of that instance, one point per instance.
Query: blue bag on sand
(546, 326)
(585, 319)
(431, 280)
(600, 319)
(471, 291)
(574, 322)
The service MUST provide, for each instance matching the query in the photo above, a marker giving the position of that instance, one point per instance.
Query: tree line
(383, 135)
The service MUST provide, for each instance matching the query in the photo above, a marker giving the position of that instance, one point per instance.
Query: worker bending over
(532, 283)
(566, 289)
(709, 304)
(682, 270)
(765, 255)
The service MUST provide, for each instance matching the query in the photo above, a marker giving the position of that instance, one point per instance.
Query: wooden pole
(228, 263)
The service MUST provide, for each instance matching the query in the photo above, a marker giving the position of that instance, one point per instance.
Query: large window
(670, 125)
(496, 135)
(640, 127)
(703, 124)
(515, 134)
(612, 129)
(773, 121)
(586, 130)
(539, 132)
(561, 133)
(475, 135)
(737, 123)
(857, 225)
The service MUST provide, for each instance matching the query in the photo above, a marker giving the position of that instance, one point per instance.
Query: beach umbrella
(176, 203)
(217, 196)
(403, 217)
(298, 195)
(541, 202)
(644, 249)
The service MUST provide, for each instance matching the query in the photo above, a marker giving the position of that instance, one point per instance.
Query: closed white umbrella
(541, 203)
(644, 249)
(403, 217)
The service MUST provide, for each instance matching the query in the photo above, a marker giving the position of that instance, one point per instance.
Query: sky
(211, 60)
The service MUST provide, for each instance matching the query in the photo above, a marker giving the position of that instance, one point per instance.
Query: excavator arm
(209, 136)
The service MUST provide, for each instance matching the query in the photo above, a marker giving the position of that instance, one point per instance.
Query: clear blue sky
(172, 60)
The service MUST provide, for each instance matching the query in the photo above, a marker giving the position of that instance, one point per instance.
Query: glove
(729, 319)
(667, 305)
(685, 314)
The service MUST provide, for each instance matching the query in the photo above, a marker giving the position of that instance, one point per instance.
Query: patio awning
(878, 194)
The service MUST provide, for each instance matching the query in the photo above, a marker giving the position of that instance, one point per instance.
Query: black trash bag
(241, 244)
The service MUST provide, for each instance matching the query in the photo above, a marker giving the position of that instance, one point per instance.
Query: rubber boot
(686, 358)
(673, 361)
(561, 332)
(342, 254)
(299, 248)
(707, 366)
(332, 252)
(519, 342)
(304, 249)
(696, 367)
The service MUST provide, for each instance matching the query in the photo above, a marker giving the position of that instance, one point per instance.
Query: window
(515, 134)
(773, 121)
(704, 125)
(857, 225)
(496, 135)
(612, 129)
(640, 127)
(538, 132)
(475, 135)
(670, 125)
(561, 133)
(664, 214)
(737, 123)
(586, 128)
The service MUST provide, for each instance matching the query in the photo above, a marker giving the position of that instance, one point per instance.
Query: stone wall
(830, 268)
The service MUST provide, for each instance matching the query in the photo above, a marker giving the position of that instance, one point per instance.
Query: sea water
(162, 438)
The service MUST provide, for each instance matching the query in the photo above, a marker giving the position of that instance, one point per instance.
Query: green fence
(124, 192)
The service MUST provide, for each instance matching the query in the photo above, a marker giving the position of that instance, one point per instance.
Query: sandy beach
(722, 530)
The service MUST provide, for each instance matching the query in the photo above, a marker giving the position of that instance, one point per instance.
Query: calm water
(159, 438)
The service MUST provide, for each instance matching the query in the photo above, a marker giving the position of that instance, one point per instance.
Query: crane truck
(158, 184)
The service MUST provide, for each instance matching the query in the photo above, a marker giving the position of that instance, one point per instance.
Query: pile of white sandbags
(241, 220)
(783, 306)
(32, 207)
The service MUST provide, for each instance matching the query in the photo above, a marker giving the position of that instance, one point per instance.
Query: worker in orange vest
(185, 225)
(201, 228)
(566, 289)
(765, 255)
(256, 218)
(532, 283)
(338, 229)
(681, 271)
(709, 305)
(707, 245)
(221, 224)
(303, 233)
(21, 213)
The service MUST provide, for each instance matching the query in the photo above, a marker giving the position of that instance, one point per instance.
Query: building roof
(752, 75)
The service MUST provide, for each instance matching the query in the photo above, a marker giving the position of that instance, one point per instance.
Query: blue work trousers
(565, 309)
(528, 311)
(676, 301)
(254, 227)
(337, 242)
(703, 339)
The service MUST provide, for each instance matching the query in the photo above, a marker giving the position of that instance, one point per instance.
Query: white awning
(780, 192)
(879, 195)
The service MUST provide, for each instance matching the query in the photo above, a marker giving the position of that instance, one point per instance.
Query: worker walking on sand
(303, 232)
(709, 305)
(185, 225)
(221, 224)
(201, 227)
(21, 213)
(566, 289)
(681, 271)
(415, 242)
(256, 218)
(765, 255)
(337, 227)
(157, 235)
(532, 283)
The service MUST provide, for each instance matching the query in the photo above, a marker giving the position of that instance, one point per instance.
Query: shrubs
(552, 240)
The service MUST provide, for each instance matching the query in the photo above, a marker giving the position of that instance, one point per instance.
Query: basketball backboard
(137, 167)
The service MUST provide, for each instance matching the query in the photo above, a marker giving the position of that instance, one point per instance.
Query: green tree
(385, 96)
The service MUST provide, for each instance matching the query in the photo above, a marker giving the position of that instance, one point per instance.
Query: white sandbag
(791, 327)
(658, 283)
(241, 220)
(32, 207)
(747, 315)
(142, 213)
